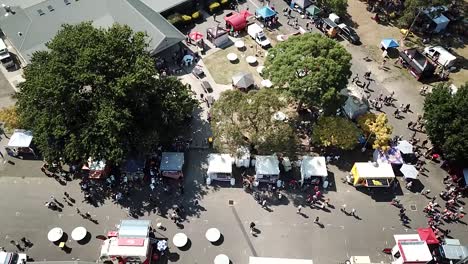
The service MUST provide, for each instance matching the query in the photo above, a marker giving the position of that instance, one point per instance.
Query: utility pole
(412, 24)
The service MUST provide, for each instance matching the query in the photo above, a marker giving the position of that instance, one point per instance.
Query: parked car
(5, 56)
(348, 33)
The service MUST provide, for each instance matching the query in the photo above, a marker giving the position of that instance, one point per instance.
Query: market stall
(267, 168)
(96, 169)
(133, 168)
(20, 143)
(243, 80)
(265, 14)
(172, 164)
(218, 36)
(428, 235)
(372, 174)
(410, 249)
(409, 171)
(452, 249)
(131, 245)
(356, 103)
(236, 21)
(313, 170)
(220, 167)
(391, 156)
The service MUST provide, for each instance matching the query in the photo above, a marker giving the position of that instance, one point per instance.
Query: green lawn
(222, 70)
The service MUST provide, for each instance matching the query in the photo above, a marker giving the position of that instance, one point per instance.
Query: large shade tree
(311, 68)
(95, 92)
(332, 131)
(248, 120)
(446, 117)
(377, 130)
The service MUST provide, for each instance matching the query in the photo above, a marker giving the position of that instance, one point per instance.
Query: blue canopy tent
(389, 43)
(265, 12)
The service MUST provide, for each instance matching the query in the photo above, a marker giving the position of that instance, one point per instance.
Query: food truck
(220, 167)
(131, 243)
(410, 249)
(12, 257)
(372, 174)
(172, 164)
(313, 170)
(267, 168)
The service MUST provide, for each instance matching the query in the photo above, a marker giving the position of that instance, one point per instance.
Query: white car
(256, 32)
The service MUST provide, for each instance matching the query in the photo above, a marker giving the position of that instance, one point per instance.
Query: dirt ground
(372, 33)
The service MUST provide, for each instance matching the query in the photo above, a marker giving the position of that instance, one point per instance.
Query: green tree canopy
(247, 119)
(412, 8)
(446, 118)
(335, 131)
(94, 93)
(311, 68)
(337, 6)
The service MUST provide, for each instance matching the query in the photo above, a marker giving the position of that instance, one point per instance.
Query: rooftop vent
(51, 8)
(40, 12)
(66, 2)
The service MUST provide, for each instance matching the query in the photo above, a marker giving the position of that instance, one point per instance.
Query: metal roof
(34, 23)
(162, 5)
(172, 161)
(134, 228)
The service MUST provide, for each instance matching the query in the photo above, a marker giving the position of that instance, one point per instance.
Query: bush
(186, 19)
(213, 7)
(196, 15)
(175, 19)
(224, 2)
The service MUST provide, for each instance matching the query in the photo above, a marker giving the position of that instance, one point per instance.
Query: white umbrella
(55, 234)
(239, 44)
(221, 259)
(409, 171)
(279, 116)
(251, 59)
(180, 240)
(79, 233)
(213, 234)
(260, 69)
(405, 147)
(266, 83)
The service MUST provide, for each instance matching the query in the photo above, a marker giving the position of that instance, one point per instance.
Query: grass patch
(222, 70)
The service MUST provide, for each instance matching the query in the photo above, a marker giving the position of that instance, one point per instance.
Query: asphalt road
(284, 233)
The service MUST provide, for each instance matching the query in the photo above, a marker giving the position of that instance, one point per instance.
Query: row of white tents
(267, 168)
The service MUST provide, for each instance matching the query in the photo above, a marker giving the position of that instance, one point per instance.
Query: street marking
(256, 6)
(18, 213)
(383, 228)
(14, 181)
(329, 224)
(342, 227)
(107, 217)
(6, 237)
(60, 215)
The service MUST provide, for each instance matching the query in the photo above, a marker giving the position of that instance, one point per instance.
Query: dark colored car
(348, 33)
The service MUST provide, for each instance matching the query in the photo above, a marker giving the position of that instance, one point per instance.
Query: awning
(409, 171)
(389, 43)
(265, 12)
(236, 21)
(427, 234)
(20, 139)
(405, 147)
(243, 80)
(313, 10)
(452, 249)
(134, 228)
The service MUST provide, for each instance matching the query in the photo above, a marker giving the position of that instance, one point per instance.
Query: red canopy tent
(237, 21)
(427, 234)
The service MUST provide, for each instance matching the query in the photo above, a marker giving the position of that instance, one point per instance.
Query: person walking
(424, 143)
(353, 212)
(299, 208)
(410, 124)
(214, 17)
(396, 113)
(407, 107)
(252, 227)
(343, 208)
(316, 221)
(307, 25)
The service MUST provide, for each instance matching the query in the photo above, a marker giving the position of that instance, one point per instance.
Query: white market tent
(409, 171)
(267, 168)
(313, 166)
(405, 147)
(20, 139)
(302, 3)
(220, 166)
(411, 249)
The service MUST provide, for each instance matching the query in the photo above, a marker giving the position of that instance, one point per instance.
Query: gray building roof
(35, 22)
(161, 5)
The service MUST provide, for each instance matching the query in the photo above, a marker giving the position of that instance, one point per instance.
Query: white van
(256, 32)
(440, 55)
(5, 57)
(12, 258)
